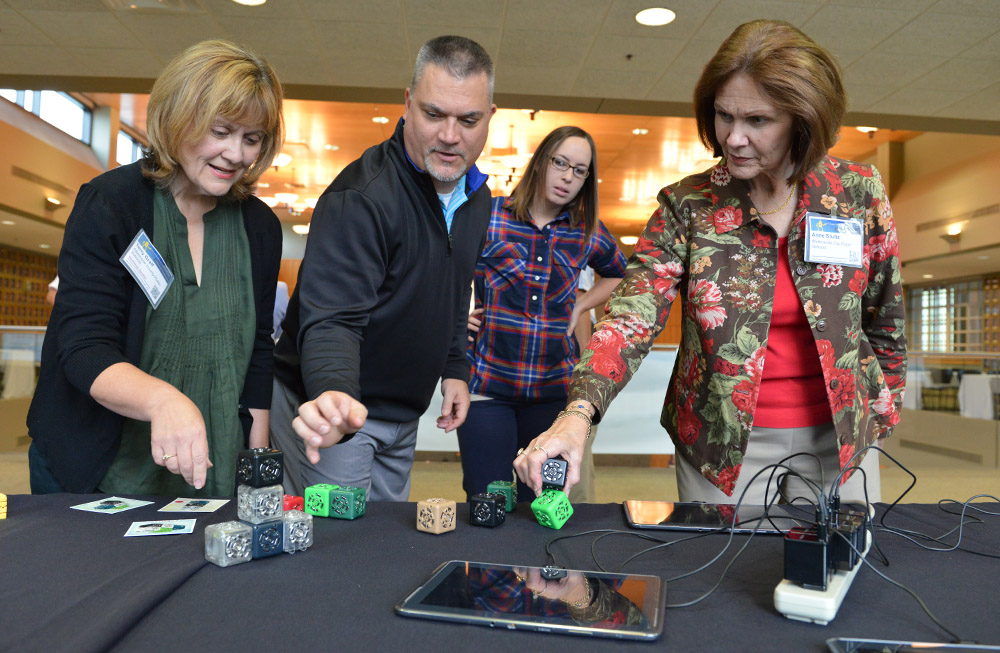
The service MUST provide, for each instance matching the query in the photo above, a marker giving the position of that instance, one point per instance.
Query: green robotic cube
(347, 502)
(317, 499)
(552, 508)
(506, 488)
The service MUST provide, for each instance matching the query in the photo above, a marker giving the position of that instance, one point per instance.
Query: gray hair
(461, 56)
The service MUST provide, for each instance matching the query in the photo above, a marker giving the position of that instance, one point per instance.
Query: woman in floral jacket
(785, 349)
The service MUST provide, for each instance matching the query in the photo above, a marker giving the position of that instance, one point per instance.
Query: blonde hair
(212, 80)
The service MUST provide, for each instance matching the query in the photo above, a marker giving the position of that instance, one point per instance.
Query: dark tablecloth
(70, 581)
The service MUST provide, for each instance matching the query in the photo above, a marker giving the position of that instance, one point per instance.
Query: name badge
(836, 241)
(147, 267)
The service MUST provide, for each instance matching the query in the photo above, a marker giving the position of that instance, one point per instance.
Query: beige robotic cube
(435, 516)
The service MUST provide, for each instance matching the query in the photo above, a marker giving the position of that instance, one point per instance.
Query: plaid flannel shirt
(526, 280)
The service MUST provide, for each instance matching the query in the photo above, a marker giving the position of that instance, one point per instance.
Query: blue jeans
(41, 479)
(491, 435)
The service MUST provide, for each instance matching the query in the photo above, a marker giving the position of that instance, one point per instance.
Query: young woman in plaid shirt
(522, 347)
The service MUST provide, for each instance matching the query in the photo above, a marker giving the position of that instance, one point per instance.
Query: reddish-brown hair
(795, 74)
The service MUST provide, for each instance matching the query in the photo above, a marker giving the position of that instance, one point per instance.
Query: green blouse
(199, 340)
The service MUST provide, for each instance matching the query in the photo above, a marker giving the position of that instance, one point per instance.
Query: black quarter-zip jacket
(382, 300)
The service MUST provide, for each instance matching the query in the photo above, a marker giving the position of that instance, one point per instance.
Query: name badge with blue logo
(147, 267)
(834, 241)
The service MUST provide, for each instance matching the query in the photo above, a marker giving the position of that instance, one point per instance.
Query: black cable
(861, 556)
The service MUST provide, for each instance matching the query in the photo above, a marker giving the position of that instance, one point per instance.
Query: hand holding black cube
(554, 474)
(260, 467)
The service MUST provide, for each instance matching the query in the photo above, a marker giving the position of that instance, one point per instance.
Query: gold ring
(542, 449)
(168, 456)
(520, 452)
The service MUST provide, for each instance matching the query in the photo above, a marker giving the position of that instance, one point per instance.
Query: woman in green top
(181, 378)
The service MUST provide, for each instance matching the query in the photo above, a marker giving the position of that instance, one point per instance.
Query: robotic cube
(260, 467)
(554, 474)
(487, 509)
(506, 488)
(294, 503)
(317, 499)
(435, 516)
(298, 531)
(552, 508)
(347, 502)
(268, 538)
(256, 505)
(228, 543)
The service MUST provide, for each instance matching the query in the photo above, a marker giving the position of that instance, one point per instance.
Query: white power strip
(817, 606)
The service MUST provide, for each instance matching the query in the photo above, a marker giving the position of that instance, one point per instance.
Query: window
(128, 150)
(56, 108)
(947, 318)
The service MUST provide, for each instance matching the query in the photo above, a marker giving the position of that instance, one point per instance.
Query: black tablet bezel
(411, 606)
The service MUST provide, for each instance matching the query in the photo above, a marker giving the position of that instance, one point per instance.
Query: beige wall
(946, 176)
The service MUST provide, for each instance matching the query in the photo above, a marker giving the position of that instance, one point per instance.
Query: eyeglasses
(562, 165)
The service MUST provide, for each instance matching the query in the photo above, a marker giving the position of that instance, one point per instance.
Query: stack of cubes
(265, 528)
(552, 508)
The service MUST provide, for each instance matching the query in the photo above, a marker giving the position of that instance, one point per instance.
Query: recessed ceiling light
(629, 240)
(600, 181)
(655, 16)
(331, 147)
(7, 222)
(380, 120)
(250, 3)
(44, 245)
(928, 276)
(639, 131)
(261, 184)
(301, 229)
(867, 130)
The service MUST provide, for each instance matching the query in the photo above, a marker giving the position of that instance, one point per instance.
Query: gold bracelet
(584, 416)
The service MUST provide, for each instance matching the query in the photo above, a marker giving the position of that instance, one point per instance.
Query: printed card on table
(194, 505)
(111, 505)
(163, 527)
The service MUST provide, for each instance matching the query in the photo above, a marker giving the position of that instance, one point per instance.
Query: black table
(70, 581)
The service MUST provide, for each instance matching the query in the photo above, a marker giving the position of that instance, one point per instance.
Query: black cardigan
(99, 319)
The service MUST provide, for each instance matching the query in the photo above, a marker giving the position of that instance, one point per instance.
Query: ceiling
(904, 60)
(910, 66)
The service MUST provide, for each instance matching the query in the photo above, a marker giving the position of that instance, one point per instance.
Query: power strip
(817, 606)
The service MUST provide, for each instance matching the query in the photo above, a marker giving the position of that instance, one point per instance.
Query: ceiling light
(928, 276)
(270, 201)
(629, 240)
(331, 147)
(7, 222)
(380, 120)
(250, 3)
(600, 181)
(286, 198)
(301, 229)
(655, 16)
(261, 184)
(954, 229)
(281, 160)
(639, 131)
(44, 246)
(867, 130)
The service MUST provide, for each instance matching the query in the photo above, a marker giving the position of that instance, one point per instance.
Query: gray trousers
(766, 447)
(378, 458)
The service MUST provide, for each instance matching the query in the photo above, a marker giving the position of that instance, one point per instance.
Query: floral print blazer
(707, 243)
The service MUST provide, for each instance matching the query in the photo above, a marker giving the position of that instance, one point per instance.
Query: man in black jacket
(380, 309)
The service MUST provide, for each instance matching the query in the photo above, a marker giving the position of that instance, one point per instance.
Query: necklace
(783, 205)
